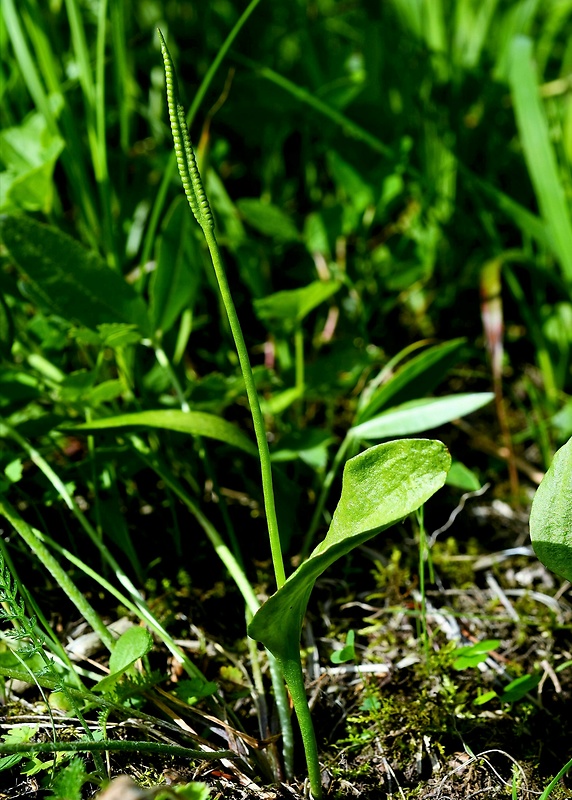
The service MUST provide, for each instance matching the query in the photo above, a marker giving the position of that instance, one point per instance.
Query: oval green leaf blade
(195, 423)
(551, 515)
(285, 310)
(420, 415)
(73, 282)
(132, 645)
(380, 487)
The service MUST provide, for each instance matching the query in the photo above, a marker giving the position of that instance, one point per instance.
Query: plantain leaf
(420, 415)
(551, 515)
(73, 282)
(285, 310)
(380, 487)
(195, 423)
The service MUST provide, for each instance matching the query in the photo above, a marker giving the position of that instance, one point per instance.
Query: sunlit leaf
(420, 415)
(380, 487)
(551, 515)
(195, 423)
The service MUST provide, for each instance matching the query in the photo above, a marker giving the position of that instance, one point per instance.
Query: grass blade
(539, 153)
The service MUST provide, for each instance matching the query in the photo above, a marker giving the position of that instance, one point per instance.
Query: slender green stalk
(255, 410)
(423, 554)
(299, 358)
(199, 205)
(295, 680)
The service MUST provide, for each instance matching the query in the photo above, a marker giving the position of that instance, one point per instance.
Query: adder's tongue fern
(186, 161)
(199, 204)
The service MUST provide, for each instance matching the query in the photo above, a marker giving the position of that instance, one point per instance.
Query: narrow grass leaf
(420, 415)
(538, 151)
(419, 376)
(195, 423)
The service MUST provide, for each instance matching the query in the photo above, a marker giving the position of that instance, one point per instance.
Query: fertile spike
(186, 161)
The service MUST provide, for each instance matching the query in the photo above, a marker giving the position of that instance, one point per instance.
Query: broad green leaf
(268, 219)
(463, 478)
(71, 281)
(420, 415)
(474, 654)
(380, 487)
(30, 152)
(132, 645)
(484, 698)
(175, 280)
(286, 310)
(347, 653)
(519, 687)
(417, 377)
(195, 423)
(551, 515)
(538, 151)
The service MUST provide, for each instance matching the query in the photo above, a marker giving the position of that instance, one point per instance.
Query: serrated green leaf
(551, 515)
(195, 423)
(380, 487)
(71, 281)
(420, 415)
